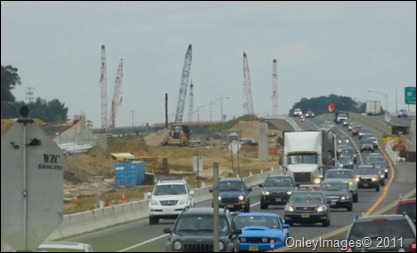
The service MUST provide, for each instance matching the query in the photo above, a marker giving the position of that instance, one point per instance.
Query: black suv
(234, 194)
(387, 232)
(193, 231)
(277, 189)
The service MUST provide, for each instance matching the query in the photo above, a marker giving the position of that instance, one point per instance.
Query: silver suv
(347, 176)
(168, 199)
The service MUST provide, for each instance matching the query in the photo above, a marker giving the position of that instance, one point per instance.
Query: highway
(139, 236)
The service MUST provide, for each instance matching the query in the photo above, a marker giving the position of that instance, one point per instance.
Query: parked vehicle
(386, 233)
(193, 231)
(261, 231)
(168, 199)
(277, 189)
(307, 207)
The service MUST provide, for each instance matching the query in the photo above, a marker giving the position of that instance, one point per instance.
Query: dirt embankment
(90, 176)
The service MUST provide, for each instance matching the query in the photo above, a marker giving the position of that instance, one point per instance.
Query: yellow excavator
(179, 135)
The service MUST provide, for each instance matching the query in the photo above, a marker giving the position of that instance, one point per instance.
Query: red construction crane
(103, 85)
(248, 105)
(117, 97)
(183, 86)
(274, 88)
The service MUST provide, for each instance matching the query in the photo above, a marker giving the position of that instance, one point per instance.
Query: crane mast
(103, 85)
(274, 88)
(190, 105)
(117, 98)
(183, 86)
(248, 105)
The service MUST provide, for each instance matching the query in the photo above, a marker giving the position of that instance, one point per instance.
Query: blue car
(261, 231)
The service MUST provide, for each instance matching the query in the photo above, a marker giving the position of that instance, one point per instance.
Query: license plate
(305, 215)
(278, 200)
(229, 206)
(253, 248)
(365, 185)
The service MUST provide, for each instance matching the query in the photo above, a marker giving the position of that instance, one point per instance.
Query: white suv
(168, 199)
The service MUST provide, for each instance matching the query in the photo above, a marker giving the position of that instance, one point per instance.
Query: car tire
(383, 182)
(377, 188)
(355, 198)
(264, 206)
(153, 220)
(350, 207)
(326, 223)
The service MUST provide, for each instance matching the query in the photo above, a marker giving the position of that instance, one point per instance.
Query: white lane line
(142, 243)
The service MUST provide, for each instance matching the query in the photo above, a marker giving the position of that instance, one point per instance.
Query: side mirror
(298, 185)
(210, 190)
(249, 189)
(149, 195)
(238, 231)
(167, 231)
(191, 193)
(285, 226)
(328, 201)
(261, 185)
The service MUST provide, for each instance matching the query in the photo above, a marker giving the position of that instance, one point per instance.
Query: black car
(307, 207)
(337, 192)
(367, 176)
(234, 194)
(310, 114)
(193, 231)
(383, 233)
(276, 190)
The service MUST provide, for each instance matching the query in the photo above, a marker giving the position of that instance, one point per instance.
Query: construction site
(168, 152)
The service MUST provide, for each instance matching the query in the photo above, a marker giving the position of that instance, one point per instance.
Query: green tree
(9, 79)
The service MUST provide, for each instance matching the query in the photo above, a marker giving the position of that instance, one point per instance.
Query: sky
(322, 48)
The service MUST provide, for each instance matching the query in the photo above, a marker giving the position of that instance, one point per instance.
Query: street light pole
(386, 98)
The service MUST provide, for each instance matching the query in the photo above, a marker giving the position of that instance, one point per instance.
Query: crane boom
(183, 86)
(274, 87)
(247, 86)
(191, 103)
(103, 85)
(117, 98)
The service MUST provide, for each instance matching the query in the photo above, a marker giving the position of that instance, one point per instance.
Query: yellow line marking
(386, 187)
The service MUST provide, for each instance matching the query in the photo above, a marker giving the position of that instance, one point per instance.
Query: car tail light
(413, 247)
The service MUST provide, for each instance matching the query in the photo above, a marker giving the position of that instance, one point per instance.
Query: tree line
(48, 111)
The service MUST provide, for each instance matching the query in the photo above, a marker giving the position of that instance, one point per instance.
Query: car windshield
(339, 174)
(304, 158)
(231, 186)
(177, 189)
(409, 209)
(381, 228)
(200, 223)
(366, 171)
(333, 187)
(257, 220)
(274, 181)
(307, 197)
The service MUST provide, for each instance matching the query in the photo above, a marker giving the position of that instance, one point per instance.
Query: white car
(168, 199)
(297, 112)
(64, 246)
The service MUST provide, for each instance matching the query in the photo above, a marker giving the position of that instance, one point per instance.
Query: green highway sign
(410, 95)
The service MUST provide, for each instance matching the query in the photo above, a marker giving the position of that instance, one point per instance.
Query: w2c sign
(410, 95)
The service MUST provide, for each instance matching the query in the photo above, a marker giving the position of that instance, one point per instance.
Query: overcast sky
(322, 48)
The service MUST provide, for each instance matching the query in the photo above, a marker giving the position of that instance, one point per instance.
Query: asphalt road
(139, 236)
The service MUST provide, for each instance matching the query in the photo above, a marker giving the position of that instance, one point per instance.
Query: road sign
(332, 107)
(32, 181)
(235, 146)
(410, 95)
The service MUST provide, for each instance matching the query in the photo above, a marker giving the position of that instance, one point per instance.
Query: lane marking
(142, 243)
(386, 187)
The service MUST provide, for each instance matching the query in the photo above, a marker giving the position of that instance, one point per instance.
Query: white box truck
(373, 108)
(307, 154)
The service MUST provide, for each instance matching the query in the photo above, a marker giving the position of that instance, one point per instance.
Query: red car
(407, 206)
